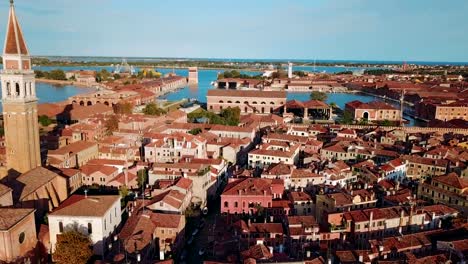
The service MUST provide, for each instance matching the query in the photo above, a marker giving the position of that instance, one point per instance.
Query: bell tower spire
(19, 100)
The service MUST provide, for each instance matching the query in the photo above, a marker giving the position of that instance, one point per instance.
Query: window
(60, 227)
(21, 237)
(226, 204)
(90, 228)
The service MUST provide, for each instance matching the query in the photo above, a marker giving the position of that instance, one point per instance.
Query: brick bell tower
(19, 101)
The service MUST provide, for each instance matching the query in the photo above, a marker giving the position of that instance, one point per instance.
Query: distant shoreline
(64, 82)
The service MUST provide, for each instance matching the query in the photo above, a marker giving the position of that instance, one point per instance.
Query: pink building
(247, 195)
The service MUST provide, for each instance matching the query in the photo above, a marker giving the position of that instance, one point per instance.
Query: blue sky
(421, 30)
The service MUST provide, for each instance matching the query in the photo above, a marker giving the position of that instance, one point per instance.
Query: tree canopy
(73, 248)
(229, 116)
(45, 120)
(56, 74)
(153, 109)
(347, 118)
(237, 74)
(316, 95)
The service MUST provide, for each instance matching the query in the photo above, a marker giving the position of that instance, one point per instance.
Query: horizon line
(371, 61)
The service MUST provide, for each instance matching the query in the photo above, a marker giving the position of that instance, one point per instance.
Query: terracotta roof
(246, 93)
(263, 228)
(256, 252)
(4, 189)
(14, 43)
(11, 216)
(279, 169)
(249, 186)
(89, 169)
(166, 220)
(32, 180)
(92, 205)
(299, 196)
(73, 148)
(452, 180)
(305, 221)
(184, 183)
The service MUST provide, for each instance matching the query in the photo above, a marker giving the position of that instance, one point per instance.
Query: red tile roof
(9, 217)
(453, 180)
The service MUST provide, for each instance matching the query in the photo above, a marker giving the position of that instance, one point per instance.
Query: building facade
(261, 102)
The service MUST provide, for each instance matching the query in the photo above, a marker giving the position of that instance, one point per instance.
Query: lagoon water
(48, 93)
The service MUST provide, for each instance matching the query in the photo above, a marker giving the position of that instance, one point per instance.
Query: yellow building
(449, 189)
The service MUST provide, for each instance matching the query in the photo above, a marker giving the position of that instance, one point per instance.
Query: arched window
(254, 102)
(237, 102)
(229, 102)
(272, 103)
(221, 101)
(263, 103)
(236, 204)
(226, 204)
(89, 103)
(245, 102)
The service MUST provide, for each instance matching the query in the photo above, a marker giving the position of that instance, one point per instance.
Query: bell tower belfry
(19, 101)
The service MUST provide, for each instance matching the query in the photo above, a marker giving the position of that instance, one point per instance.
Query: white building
(394, 170)
(96, 216)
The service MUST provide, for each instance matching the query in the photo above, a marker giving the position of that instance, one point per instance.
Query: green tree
(45, 120)
(333, 105)
(195, 131)
(73, 248)
(347, 118)
(39, 74)
(116, 76)
(153, 109)
(299, 73)
(231, 116)
(57, 75)
(320, 96)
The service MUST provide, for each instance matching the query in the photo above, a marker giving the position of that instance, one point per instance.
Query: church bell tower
(19, 101)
